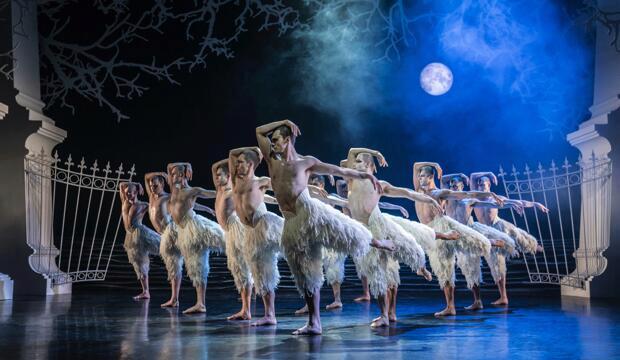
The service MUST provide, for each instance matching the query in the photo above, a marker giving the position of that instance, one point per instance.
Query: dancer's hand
(498, 199)
(381, 160)
(374, 181)
(294, 128)
(542, 207)
(517, 207)
(437, 209)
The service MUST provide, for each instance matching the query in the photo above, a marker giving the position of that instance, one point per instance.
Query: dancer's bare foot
(425, 273)
(198, 308)
(173, 303)
(143, 295)
(241, 315)
(392, 317)
(477, 305)
(266, 320)
(334, 305)
(380, 322)
(308, 330)
(539, 248)
(363, 298)
(383, 244)
(303, 310)
(498, 243)
(500, 301)
(446, 312)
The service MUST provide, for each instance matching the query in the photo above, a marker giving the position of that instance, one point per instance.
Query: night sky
(341, 96)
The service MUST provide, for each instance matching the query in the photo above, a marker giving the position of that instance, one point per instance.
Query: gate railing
(575, 231)
(73, 212)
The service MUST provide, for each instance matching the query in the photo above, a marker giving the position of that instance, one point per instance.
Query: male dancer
(309, 224)
(162, 222)
(333, 262)
(234, 233)
(382, 269)
(525, 242)
(461, 210)
(140, 241)
(196, 235)
(443, 258)
(263, 229)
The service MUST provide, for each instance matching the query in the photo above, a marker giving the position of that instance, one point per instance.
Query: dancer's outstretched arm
(399, 192)
(508, 204)
(535, 204)
(203, 193)
(389, 206)
(268, 199)
(200, 207)
(322, 168)
(330, 199)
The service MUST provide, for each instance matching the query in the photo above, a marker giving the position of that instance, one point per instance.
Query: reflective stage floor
(110, 325)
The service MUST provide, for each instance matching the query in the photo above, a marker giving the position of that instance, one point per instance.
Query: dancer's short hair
(429, 170)
(251, 156)
(286, 131)
(224, 167)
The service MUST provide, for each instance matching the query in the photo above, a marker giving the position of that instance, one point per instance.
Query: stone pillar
(595, 148)
(26, 241)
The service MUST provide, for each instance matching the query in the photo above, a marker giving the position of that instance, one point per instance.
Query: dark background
(476, 126)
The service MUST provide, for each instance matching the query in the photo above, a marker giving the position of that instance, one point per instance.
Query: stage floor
(110, 325)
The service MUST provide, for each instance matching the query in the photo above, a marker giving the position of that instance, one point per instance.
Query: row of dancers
(312, 235)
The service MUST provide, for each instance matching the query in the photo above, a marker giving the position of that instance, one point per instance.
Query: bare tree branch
(609, 19)
(91, 70)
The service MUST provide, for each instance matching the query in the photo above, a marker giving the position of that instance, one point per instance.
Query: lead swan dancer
(309, 225)
(263, 229)
(381, 268)
(197, 235)
(140, 241)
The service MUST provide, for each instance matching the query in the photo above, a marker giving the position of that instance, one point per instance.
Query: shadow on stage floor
(110, 325)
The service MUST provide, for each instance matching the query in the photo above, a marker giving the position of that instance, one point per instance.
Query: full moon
(436, 79)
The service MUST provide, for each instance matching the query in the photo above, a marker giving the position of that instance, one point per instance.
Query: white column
(594, 234)
(39, 207)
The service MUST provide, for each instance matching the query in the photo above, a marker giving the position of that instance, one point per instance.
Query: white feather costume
(197, 236)
(526, 243)
(170, 253)
(382, 267)
(470, 244)
(261, 249)
(140, 242)
(333, 266)
(234, 236)
(497, 258)
(311, 227)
